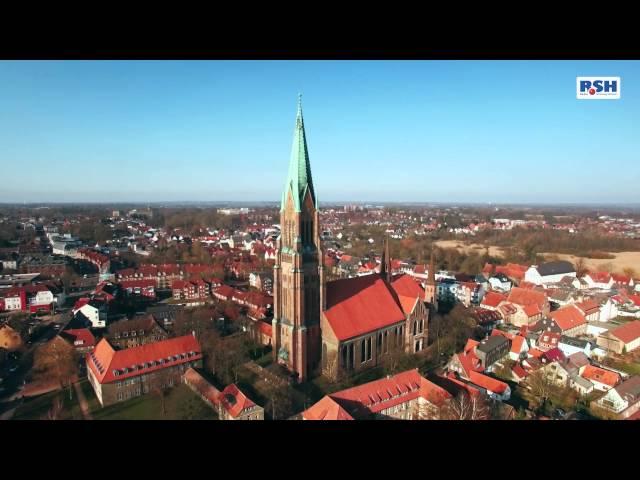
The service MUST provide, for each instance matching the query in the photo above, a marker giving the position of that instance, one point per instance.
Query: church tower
(431, 288)
(298, 273)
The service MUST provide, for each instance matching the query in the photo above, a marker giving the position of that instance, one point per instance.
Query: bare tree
(160, 383)
(280, 403)
(56, 360)
(55, 412)
(331, 367)
(540, 386)
(465, 406)
(581, 267)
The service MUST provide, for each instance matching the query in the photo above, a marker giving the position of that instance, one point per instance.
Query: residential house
(500, 282)
(599, 280)
(590, 309)
(571, 345)
(490, 386)
(81, 338)
(570, 320)
(602, 379)
(93, 310)
(492, 349)
(549, 272)
(623, 400)
(548, 340)
(135, 332)
(492, 300)
(622, 339)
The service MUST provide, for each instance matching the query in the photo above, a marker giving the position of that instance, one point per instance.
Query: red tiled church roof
(359, 305)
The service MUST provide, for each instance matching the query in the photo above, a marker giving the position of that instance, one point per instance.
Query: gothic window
(369, 349)
(421, 326)
(352, 354)
(415, 327)
(363, 353)
(379, 345)
(386, 341)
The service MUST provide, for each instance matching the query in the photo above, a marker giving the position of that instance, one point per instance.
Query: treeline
(557, 241)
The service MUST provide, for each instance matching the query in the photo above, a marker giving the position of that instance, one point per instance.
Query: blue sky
(419, 131)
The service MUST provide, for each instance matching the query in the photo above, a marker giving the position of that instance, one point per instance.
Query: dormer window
(116, 373)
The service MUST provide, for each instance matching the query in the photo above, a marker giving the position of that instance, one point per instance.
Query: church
(343, 326)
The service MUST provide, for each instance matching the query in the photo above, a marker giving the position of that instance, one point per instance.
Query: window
(379, 341)
(369, 349)
(363, 357)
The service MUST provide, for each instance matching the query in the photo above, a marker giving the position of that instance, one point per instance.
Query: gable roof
(493, 299)
(568, 317)
(555, 268)
(373, 397)
(359, 305)
(104, 361)
(596, 374)
(79, 334)
(408, 291)
(627, 332)
(488, 383)
(524, 296)
(326, 409)
(630, 389)
(234, 401)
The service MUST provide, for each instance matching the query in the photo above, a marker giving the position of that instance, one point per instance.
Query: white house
(571, 345)
(550, 272)
(608, 310)
(500, 282)
(95, 315)
(624, 399)
(599, 280)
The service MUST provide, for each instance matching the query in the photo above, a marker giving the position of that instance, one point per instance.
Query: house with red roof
(602, 379)
(599, 280)
(530, 306)
(590, 309)
(492, 300)
(622, 339)
(223, 292)
(404, 396)
(623, 400)
(570, 320)
(81, 338)
(490, 386)
(230, 403)
(118, 375)
(623, 280)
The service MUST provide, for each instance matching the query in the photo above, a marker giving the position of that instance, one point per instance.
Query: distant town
(299, 311)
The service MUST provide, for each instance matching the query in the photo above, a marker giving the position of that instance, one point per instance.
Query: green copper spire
(299, 178)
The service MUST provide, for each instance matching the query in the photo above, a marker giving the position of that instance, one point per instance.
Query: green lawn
(632, 368)
(181, 404)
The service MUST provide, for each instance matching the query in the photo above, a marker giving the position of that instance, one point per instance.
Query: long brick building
(118, 375)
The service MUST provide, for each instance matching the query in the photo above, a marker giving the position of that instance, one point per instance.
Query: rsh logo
(598, 88)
